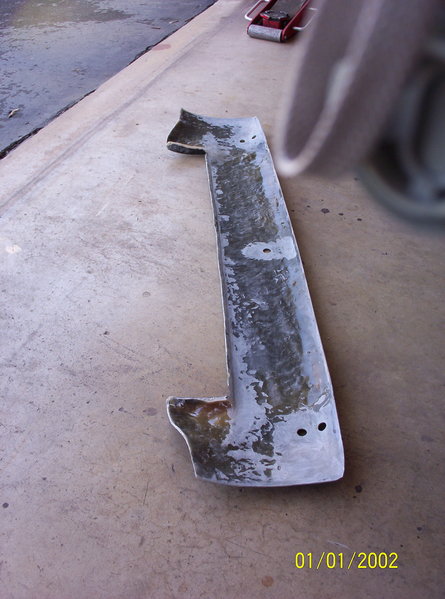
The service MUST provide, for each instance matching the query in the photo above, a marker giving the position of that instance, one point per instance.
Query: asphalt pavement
(54, 52)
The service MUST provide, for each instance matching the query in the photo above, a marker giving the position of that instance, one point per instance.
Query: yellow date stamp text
(358, 560)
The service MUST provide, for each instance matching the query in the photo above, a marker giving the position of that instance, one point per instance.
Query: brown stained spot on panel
(206, 425)
(210, 415)
(267, 581)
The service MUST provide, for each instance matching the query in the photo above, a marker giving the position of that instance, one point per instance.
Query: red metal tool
(277, 20)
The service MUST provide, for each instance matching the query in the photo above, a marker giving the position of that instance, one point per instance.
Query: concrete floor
(111, 303)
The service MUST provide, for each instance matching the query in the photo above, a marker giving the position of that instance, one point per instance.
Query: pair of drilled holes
(302, 431)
